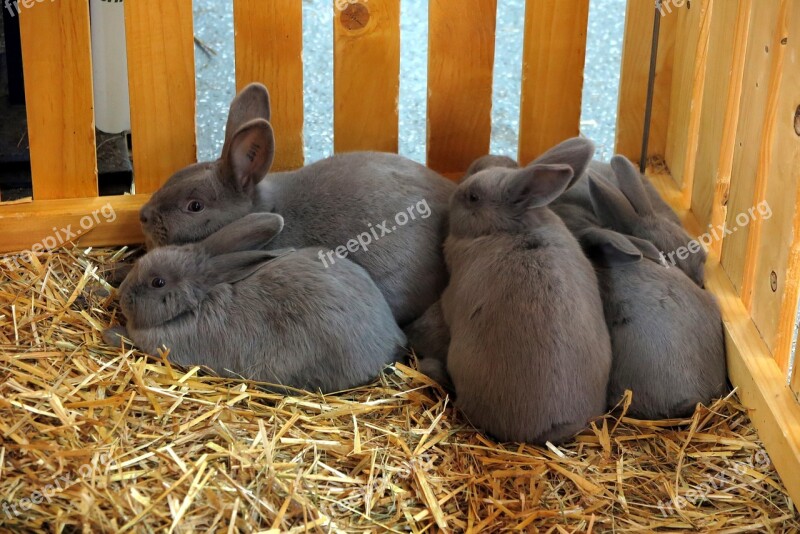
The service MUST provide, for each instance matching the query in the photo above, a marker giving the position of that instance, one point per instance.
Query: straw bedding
(102, 439)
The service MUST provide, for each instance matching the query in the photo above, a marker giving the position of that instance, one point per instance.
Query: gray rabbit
(530, 353)
(382, 211)
(666, 332)
(279, 317)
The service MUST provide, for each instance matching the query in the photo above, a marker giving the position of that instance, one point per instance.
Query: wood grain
(366, 75)
(161, 78)
(268, 41)
(460, 68)
(57, 61)
(634, 75)
(553, 57)
(688, 83)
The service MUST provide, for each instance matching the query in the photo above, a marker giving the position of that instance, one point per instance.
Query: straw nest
(102, 439)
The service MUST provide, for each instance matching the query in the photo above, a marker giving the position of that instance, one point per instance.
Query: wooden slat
(755, 87)
(634, 74)
(691, 54)
(722, 179)
(269, 47)
(460, 64)
(717, 112)
(773, 248)
(795, 382)
(162, 89)
(105, 221)
(366, 37)
(57, 60)
(553, 58)
(760, 384)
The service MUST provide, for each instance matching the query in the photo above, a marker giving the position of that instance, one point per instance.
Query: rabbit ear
(249, 155)
(251, 232)
(537, 185)
(608, 247)
(611, 206)
(252, 102)
(648, 249)
(576, 152)
(630, 183)
(235, 267)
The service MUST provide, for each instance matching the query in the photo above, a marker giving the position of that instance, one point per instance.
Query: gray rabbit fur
(530, 353)
(279, 317)
(327, 204)
(666, 332)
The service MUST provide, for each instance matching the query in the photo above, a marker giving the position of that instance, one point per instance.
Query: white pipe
(110, 66)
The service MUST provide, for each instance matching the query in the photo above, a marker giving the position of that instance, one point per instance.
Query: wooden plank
(634, 74)
(795, 382)
(366, 41)
(760, 384)
(106, 221)
(722, 178)
(688, 82)
(716, 109)
(755, 87)
(773, 249)
(268, 38)
(160, 43)
(460, 65)
(57, 61)
(553, 57)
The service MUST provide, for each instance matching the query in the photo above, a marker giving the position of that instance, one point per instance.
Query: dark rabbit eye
(473, 197)
(195, 206)
(158, 282)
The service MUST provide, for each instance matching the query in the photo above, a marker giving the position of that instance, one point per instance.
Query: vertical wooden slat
(460, 66)
(57, 59)
(634, 74)
(269, 48)
(722, 179)
(366, 75)
(553, 58)
(755, 86)
(161, 78)
(691, 53)
(718, 109)
(774, 242)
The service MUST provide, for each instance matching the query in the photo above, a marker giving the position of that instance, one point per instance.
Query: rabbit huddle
(537, 294)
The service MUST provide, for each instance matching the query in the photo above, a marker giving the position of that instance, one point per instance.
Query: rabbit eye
(473, 197)
(195, 206)
(158, 282)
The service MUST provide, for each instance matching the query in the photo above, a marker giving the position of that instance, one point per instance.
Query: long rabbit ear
(608, 247)
(252, 102)
(536, 185)
(248, 156)
(235, 267)
(648, 249)
(576, 152)
(630, 183)
(611, 206)
(251, 232)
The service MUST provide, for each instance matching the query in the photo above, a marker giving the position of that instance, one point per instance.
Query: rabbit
(489, 161)
(629, 210)
(666, 332)
(384, 212)
(429, 336)
(279, 317)
(530, 354)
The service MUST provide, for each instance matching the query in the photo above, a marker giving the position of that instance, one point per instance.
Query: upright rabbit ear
(611, 206)
(251, 232)
(630, 183)
(251, 103)
(648, 249)
(537, 185)
(608, 247)
(235, 267)
(576, 152)
(248, 157)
